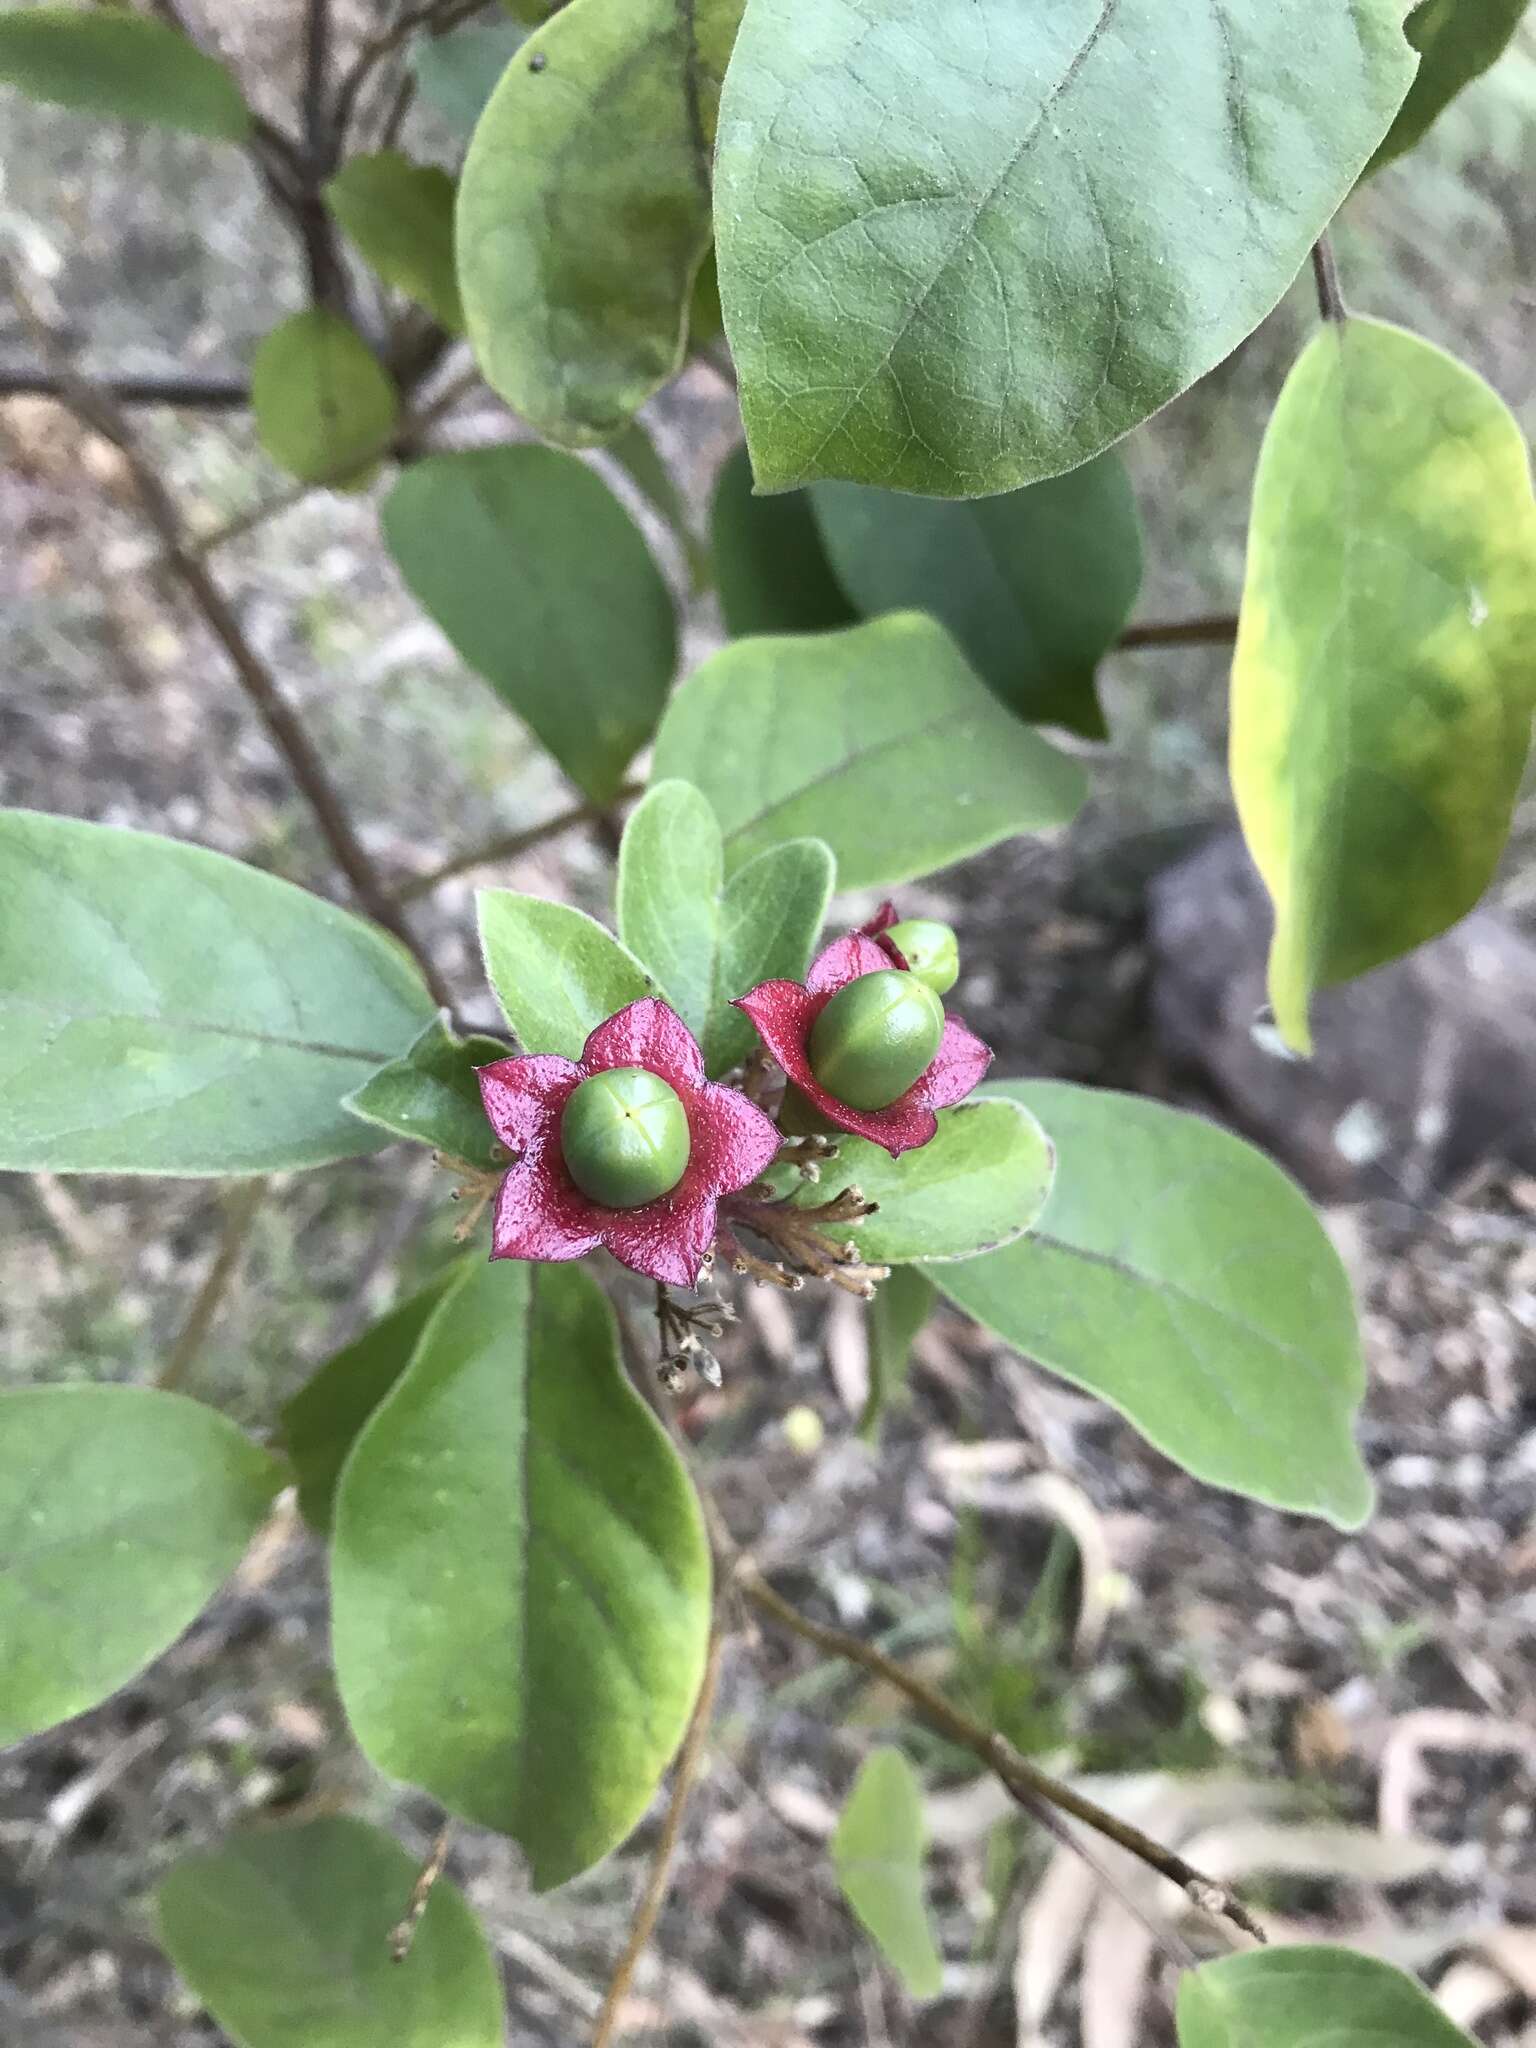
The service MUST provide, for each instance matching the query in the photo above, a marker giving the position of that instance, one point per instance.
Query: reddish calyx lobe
(540, 1211)
(785, 1012)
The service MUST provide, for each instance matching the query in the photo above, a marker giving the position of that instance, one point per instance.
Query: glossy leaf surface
(431, 1096)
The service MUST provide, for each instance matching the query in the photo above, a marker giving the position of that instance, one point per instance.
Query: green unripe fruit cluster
(625, 1138)
(930, 950)
(875, 1038)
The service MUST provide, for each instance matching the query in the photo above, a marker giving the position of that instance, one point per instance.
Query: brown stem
(405, 433)
(403, 1933)
(284, 727)
(239, 1218)
(1023, 1780)
(653, 1898)
(1325, 271)
(1217, 629)
(200, 394)
(508, 845)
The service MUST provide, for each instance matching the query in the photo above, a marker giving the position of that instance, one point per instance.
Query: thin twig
(239, 1218)
(317, 58)
(403, 1933)
(199, 394)
(404, 433)
(1168, 1939)
(434, 17)
(284, 727)
(1025, 1781)
(653, 1898)
(1330, 296)
(508, 845)
(1216, 629)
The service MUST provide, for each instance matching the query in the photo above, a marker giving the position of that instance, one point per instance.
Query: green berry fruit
(625, 1137)
(875, 1038)
(930, 951)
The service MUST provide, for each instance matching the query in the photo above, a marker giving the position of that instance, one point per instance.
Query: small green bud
(930, 951)
(875, 1038)
(625, 1137)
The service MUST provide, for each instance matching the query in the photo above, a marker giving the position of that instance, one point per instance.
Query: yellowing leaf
(1383, 682)
(584, 209)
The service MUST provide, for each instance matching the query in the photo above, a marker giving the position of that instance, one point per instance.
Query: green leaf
(978, 1185)
(1457, 41)
(543, 583)
(635, 453)
(1035, 585)
(123, 66)
(584, 210)
(324, 404)
(879, 740)
(557, 974)
(771, 915)
(706, 942)
(399, 215)
(1308, 1997)
(122, 1512)
(963, 249)
(899, 1310)
(1383, 683)
(283, 1933)
(167, 1010)
(431, 1096)
(458, 73)
(1182, 1277)
(877, 1852)
(770, 565)
(520, 1576)
(671, 876)
(326, 1416)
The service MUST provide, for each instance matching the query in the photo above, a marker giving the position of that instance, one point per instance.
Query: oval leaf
(557, 974)
(940, 274)
(1308, 1997)
(541, 580)
(123, 66)
(326, 1416)
(122, 1512)
(458, 72)
(521, 1577)
(981, 1183)
(584, 210)
(283, 1933)
(880, 740)
(877, 1852)
(771, 566)
(1383, 683)
(167, 1010)
(431, 1097)
(1035, 585)
(1178, 1274)
(707, 943)
(325, 407)
(1457, 41)
(399, 216)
